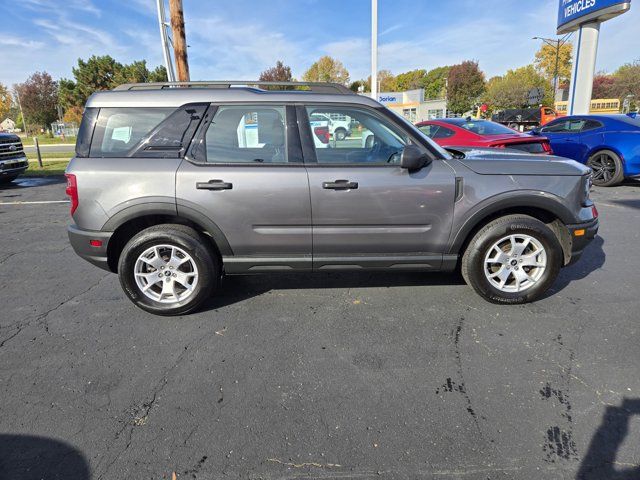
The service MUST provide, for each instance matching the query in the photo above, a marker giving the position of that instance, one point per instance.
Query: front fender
(509, 200)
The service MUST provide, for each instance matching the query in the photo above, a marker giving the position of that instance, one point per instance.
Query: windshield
(484, 127)
(416, 131)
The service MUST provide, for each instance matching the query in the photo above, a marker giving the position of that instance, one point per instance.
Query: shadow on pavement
(242, 287)
(592, 259)
(600, 461)
(28, 182)
(26, 457)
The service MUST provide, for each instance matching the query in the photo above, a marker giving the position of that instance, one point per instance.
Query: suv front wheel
(513, 259)
(168, 270)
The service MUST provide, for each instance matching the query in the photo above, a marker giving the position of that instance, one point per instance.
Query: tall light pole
(164, 40)
(556, 44)
(374, 49)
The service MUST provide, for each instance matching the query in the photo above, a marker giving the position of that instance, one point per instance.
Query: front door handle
(214, 185)
(340, 185)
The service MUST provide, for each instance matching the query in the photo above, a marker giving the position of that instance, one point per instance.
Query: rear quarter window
(119, 130)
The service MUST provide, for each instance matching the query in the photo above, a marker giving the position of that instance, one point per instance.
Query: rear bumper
(80, 241)
(580, 242)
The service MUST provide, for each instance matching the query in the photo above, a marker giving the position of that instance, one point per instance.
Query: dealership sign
(573, 13)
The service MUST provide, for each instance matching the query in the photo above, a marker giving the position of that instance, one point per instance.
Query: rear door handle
(214, 185)
(340, 185)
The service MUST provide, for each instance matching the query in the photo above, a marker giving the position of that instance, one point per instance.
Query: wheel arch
(547, 209)
(133, 220)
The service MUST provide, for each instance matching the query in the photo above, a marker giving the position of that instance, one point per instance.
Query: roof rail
(316, 87)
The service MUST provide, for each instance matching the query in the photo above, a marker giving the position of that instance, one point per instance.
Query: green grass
(33, 157)
(44, 140)
(49, 167)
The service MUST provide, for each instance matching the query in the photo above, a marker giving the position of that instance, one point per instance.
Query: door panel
(391, 212)
(251, 183)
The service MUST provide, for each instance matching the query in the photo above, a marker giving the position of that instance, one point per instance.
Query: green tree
(435, 83)
(465, 86)
(355, 86)
(386, 82)
(104, 73)
(512, 89)
(545, 61)
(39, 99)
(327, 69)
(411, 80)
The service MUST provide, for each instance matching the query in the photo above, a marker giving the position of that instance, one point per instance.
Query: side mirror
(534, 131)
(413, 158)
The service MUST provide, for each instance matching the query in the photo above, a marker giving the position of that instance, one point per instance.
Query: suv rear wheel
(513, 259)
(168, 270)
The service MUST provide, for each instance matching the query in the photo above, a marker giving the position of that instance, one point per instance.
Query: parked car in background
(522, 119)
(461, 132)
(609, 144)
(13, 161)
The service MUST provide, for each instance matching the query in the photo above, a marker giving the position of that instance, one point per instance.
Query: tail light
(547, 148)
(322, 133)
(72, 191)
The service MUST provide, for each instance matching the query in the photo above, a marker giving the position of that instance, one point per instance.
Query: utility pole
(374, 49)
(24, 120)
(164, 40)
(179, 40)
(556, 44)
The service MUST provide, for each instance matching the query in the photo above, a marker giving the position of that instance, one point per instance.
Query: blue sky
(240, 38)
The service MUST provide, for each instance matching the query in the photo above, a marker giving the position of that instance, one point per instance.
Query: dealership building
(412, 105)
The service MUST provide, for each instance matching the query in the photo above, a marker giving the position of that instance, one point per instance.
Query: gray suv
(174, 185)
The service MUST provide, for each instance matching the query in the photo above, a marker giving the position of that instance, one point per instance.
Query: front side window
(558, 126)
(372, 140)
(119, 130)
(247, 134)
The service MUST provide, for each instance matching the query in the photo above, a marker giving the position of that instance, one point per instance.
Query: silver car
(175, 185)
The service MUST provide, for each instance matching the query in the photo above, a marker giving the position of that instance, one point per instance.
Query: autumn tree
(627, 81)
(279, 73)
(5, 102)
(512, 89)
(39, 99)
(465, 86)
(603, 86)
(327, 69)
(386, 82)
(545, 61)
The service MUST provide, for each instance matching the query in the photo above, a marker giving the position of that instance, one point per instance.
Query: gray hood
(493, 161)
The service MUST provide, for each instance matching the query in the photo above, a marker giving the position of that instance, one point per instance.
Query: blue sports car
(609, 144)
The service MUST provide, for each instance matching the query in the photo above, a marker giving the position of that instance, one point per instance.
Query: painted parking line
(35, 203)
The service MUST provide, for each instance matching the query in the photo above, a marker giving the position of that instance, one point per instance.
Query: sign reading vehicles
(573, 13)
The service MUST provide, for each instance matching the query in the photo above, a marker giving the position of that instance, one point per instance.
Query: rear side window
(119, 130)
(83, 142)
(247, 134)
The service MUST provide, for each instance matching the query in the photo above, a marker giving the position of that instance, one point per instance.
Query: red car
(469, 132)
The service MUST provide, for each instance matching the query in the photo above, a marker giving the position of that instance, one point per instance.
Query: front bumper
(14, 166)
(580, 242)
(81, 242)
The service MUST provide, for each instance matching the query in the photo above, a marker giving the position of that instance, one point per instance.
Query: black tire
(340, 134)
(473, 260)
(191, 242)
(607, 167)
(8, 179)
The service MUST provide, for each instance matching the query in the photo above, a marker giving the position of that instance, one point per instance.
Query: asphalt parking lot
(327, 376)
